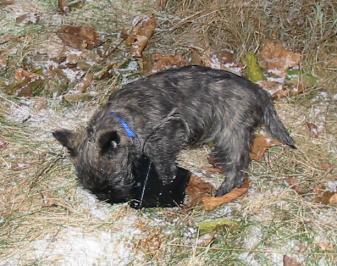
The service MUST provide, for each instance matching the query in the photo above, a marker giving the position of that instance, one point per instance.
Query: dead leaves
(289, 261)
(260, 145)
(210, 203)
(276, 59)
(143, 29)
(196, 190)
(79, 37)
(160, 62)
(327, 198)
(27, 84)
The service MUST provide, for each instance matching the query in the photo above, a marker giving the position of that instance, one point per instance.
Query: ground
(46, 218)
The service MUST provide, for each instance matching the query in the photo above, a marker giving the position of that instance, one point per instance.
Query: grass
(41, 202)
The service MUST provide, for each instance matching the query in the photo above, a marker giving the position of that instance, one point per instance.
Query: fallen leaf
(288, 261)
(210, 203)
(214, 168)
(294, 185)
(326, 246)
(333, 199)
(196, 189)
(201, 58)
(72, 60)
(211, 225)
(142, 31)
(6, 2)
(288, 91)
(40, 103)
(295, 76)
(326, 166)
(276, 59)
(260, 145)
(312, 129)
(27, 87)
(77, 97)
(160, 5)
(327, 197)
(85, 82)
(29, 18)
(213, 59)
(205, 239)
(3, 144)
(61, 5)
(21, 74)
(160, 62)
(79, 36)
(253, 70)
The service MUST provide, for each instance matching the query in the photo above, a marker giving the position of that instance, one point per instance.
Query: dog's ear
(108, 140)
(68, 139)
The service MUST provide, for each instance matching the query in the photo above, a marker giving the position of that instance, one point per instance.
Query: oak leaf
(79, 37)
(210, 203)
(277, 59)
(141, 33)
(260, 145)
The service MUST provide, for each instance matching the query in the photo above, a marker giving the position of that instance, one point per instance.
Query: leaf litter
(70, 63)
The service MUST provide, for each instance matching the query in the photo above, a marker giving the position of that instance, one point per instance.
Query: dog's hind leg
(231, 153)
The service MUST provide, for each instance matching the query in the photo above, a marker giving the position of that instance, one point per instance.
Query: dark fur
(169, 111)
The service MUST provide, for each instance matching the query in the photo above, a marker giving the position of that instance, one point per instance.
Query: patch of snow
(91, 203)
(215, 63)
(276, 79)
(73, 74)
(75, 247)
(232, 67)
(332, 186)
(253, 238)
(249, 259)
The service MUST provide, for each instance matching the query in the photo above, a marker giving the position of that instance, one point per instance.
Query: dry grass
(41, 202)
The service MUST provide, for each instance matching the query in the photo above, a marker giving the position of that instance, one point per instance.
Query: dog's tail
(276, 127)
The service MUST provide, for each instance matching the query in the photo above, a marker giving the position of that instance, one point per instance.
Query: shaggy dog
(156, 117)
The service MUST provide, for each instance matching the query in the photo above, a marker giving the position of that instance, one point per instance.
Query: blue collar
(129, 132)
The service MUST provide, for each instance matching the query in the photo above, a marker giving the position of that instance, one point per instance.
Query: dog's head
(102, 161)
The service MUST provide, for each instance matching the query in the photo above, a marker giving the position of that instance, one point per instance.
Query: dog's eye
(114, 144)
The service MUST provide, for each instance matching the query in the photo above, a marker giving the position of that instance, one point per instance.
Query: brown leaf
(213, 168)
(277, 59)
(327, 197)
(205, 239)
(312, 129)
(288, 91)
(6, 2)
(61, 5)
(293, 184)
(326, 166)
(21, 74)
(210, 203)
(79, 36)
(140, 34)
(333, 199)
(260, 145)
(40, 103)
(196, 189)
(85, 83)
(3, 144)
(160, 4)
(288, 261)
(326, 246)
(160, 62)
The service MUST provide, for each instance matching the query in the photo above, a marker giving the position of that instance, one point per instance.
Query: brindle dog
(159, 115)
